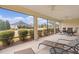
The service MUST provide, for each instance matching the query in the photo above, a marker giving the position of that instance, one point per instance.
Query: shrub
(52, 31)
(49, 31)
(45, 33)
(32, 33)
(22, 34)
(7, 36)
(40, 33)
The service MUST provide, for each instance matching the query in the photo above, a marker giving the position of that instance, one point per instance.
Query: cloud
(4, 18)
(11, 20)
(1, 17)
(28, 20)
(19, 18)
(16, 19)
(42, 21)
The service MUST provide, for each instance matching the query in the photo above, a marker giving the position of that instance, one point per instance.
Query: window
(42, 27)
(50, 27)
(46, 27)
(18, 23)
(57, 27)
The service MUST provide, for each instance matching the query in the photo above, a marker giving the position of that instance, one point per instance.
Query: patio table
(54, 45)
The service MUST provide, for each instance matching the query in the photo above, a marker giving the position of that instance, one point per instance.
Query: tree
(4, 25)
(7, 24)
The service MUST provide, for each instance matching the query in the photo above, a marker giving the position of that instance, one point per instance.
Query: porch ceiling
(64, 13)
(52, 12)
(58, 11)
(27, 10)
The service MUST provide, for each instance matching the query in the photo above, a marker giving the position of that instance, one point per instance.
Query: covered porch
(57, 20)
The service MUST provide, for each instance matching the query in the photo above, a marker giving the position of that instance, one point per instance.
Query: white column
(54, 28)
(60, 27)
(35, 28)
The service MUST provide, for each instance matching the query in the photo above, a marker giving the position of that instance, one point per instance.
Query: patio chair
(25, 51)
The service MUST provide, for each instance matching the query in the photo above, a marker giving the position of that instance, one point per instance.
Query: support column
(60, 27)
(35, 28)
(54, 28)
(47, 27)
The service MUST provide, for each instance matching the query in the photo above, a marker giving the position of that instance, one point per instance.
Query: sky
(14, 17)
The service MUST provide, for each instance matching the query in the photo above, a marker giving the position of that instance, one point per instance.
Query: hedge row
(7, 36)
(23, 33)
(45, 32)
